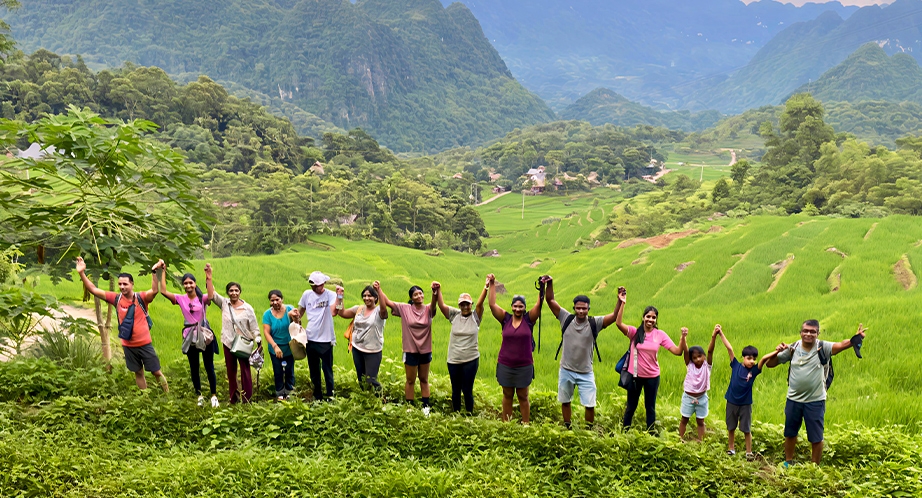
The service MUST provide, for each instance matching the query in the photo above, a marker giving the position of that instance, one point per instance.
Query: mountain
(869, 74)
(653, 51)
(602, 106)
(804, 51)
(418, 76)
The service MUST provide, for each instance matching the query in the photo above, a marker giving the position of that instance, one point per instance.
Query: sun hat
(465, 298)
(317, 278)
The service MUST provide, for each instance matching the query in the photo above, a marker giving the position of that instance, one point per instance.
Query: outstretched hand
(622, 295)
(862, 330)
(781, 347)
(684, 332)
(376, 285)
(436, 287)
(717, 331)
(81, 265)
(208, 270)
(491, 279)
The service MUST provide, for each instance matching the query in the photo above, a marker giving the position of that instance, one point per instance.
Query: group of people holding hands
(809, 358)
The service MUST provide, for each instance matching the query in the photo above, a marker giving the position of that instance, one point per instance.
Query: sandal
(750, 456)
(731, 452)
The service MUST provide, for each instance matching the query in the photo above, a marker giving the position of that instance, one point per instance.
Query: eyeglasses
(809, 331)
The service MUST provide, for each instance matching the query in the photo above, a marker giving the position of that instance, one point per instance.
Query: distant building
(36, 151)
(495, 176)
(316, 168)
(458, 176)
(538, 179)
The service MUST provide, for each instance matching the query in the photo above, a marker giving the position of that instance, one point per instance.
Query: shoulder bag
(626, 381)
(241, 347)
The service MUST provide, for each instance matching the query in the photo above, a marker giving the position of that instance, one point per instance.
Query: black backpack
(826, 361)
(592, 326)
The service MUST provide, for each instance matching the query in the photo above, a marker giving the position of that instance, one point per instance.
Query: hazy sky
(843, 2)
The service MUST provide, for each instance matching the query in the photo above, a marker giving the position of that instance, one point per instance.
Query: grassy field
(730, 280)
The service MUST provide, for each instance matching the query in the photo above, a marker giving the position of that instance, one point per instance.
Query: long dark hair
(641, 334)
(189, 276)
(371, 290)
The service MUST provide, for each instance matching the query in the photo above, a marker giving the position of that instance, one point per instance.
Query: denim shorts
(694, 406)
(567, 380)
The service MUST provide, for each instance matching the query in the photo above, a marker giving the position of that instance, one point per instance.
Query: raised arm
(711, 345)
(483, 295)
(771, 359)
(438, 299)
(535, 312)
(498, 313)
(549, 296)
(382, 297)
(685, 354)
(167, 294)
(209, 282)
(154, 281)
(92, 289)
(765, 359)
(337, 307)
(838, 347)
(610, 318)
(348, 313)
(619, 310)
(726, 342)
(682, 348)
(382, 307)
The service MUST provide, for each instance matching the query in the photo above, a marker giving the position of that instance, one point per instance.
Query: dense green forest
(418, 76)
(805, 50)
(869, 74)
(602, 106)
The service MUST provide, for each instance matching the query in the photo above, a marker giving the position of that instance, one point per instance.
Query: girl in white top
(237, 318)
(367, 336)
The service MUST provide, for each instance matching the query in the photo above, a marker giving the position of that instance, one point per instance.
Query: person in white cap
(320, 305)
(463, 353)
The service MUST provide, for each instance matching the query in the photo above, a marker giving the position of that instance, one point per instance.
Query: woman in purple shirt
(515, 367)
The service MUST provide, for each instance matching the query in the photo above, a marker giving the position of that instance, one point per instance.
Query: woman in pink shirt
(416, 324)
(645, 344)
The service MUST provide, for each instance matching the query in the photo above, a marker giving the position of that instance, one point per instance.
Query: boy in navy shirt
(739, 393)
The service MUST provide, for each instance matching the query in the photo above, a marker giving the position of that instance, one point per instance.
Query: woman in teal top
(276, 320)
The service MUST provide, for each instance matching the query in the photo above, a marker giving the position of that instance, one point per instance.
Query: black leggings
(462, 377)
(208, 360)
(649, 387)
(320, 359)
(366, 367)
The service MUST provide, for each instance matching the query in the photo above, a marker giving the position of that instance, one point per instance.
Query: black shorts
(142, 357)
(739, 416)
(810, 414)
(416, 359)
(517, 377)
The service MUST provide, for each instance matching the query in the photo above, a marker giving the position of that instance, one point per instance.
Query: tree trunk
(104, 326)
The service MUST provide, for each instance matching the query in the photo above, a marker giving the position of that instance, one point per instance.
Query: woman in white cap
(320, 305)
(367, 339)
(463, 353)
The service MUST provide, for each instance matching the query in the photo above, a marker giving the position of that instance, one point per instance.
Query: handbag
(204, 326)
(626, 381)
(241, 347)
(298, 342)
(348, 334)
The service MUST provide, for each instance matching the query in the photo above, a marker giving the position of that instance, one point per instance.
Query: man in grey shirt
(806, 403)
(577, 345)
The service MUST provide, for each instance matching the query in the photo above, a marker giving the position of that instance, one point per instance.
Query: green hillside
(602, 106)
(729, 279)
(418, 76)
(869, 74)
(805, 50)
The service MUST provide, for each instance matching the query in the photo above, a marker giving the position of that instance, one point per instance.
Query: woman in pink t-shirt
(416, 325)
(645, 344)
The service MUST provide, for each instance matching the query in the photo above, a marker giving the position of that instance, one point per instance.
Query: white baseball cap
(318, 278)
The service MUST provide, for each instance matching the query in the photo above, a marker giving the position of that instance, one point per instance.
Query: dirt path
(497, 196)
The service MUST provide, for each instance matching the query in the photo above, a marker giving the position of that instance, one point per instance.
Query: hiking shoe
(750, 456)
(787, 464)
(731, 452)
(201, 401)
(426, 411)
(214, 402)
(280, 399)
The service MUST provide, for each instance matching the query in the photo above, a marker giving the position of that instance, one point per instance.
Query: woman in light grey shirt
(367, 341)
(237, 318)
(463, 351)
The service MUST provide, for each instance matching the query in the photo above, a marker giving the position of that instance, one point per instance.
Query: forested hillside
(602, 106)
(804, 51)
(418, 76)
(869, 74)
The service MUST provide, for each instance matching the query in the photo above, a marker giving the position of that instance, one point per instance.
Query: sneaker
(731, 452)
(201, 401)
(750, 456)
(426, 411)
(280, 399)
(787, 464)
(214, 402)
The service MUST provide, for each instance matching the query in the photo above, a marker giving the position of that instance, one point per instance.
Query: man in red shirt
(139, 351)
